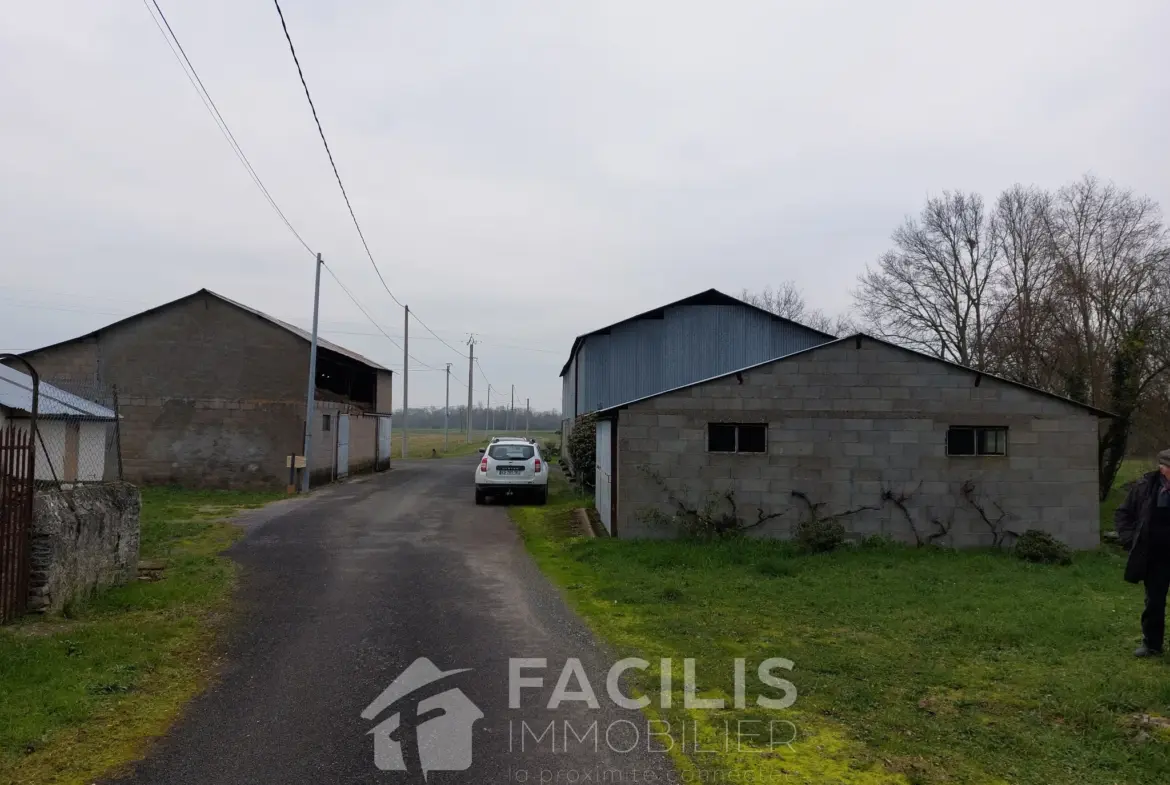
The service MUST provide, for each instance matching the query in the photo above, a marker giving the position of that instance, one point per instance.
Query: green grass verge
(83, 693)
(429, 443)
(912, 665)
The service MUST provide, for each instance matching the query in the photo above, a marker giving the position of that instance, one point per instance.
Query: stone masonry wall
(82, 540)
(844, 423)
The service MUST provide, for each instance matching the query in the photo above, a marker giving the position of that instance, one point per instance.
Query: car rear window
(511, 452)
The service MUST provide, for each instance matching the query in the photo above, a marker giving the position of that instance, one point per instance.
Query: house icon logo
(429, 725)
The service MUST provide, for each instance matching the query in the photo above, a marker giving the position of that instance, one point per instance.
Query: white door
(384, 430)
(602, 486)
(342, 445)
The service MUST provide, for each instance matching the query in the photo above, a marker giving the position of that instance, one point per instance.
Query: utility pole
(405, 376)
(527, 415)
(447, 409)
(512, 414)
(470, 382)
(312, 394)
(487, 415)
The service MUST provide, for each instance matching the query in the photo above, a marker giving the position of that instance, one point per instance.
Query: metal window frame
(737, 426)
(977, 431)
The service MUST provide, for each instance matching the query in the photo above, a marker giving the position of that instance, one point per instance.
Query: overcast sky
(530, 171)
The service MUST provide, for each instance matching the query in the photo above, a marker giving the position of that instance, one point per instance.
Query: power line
(384, 334)
(432, 332)
(209, 104)
(329, 152)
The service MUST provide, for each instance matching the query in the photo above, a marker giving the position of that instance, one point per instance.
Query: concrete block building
(211, 393)
(847, 425)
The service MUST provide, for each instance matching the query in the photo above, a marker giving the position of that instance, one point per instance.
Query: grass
(83, 693)
(428, 443)
(911, 665)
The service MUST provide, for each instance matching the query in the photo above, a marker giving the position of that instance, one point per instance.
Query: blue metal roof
(16, 393)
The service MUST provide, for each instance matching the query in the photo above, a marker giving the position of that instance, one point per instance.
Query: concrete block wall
(210, 395)
(209, 442)
(844, 424)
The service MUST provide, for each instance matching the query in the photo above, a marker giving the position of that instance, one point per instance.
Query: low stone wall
(82, 540)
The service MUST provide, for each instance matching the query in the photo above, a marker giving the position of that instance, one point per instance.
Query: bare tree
(932, 291)
(1111, 254)
(1109, 250)
(1022, 291)
(788, 301)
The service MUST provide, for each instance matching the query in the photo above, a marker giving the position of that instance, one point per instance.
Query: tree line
(499, 418)
(1065, 290)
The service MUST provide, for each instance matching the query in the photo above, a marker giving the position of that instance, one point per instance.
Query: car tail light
(483, 465)
(538, 466)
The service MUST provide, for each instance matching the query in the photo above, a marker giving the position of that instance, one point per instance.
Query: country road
(340, 593)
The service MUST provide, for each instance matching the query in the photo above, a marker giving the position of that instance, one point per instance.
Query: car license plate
(510, 469)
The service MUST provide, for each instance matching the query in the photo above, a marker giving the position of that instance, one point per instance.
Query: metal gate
(601, 483)
(17, 480)
(342, 445)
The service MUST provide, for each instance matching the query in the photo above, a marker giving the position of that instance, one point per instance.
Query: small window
(970, 441)
(725, 437)
(326, 422)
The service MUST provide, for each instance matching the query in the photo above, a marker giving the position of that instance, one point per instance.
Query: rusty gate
(17, 481)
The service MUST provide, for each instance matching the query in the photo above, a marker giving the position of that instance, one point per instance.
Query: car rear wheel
(542, 495)
(479, 497)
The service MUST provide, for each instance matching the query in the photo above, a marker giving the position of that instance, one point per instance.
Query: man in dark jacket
(1143, 526)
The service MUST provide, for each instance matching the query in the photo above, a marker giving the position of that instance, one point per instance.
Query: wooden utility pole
(447, 410)
(312, 394)
(470, 382)
(405, 376)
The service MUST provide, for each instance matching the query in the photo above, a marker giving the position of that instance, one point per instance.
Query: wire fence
(78, 433)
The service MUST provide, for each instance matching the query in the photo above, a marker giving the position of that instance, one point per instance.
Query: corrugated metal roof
(16, 393)
(708, 297)
(611, 410)
(297, 331)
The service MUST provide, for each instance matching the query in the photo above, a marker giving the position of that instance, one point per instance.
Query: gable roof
(709, 297)
(297, 331)
(858, 337)
(16, 393)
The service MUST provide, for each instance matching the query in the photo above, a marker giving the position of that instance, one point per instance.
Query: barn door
(385, 425)
(602, 485)
(342, 445)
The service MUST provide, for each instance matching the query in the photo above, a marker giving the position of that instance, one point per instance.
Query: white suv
(511, 467)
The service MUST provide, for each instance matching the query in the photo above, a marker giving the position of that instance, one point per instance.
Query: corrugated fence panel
(691, 343)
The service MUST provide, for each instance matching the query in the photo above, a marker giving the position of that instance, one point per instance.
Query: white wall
(50, 449)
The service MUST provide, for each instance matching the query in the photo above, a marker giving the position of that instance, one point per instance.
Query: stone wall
(844, 424)
(82, 540)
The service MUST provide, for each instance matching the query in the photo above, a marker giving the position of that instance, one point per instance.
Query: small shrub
(550, 449)
(1042, 548)
(582, 449)
(878, 542)
(671, 594)
(820, 535)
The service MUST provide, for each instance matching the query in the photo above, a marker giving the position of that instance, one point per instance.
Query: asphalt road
(340, 593)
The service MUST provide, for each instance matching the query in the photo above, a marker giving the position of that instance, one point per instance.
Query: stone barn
(887, 440)
(211, 393)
